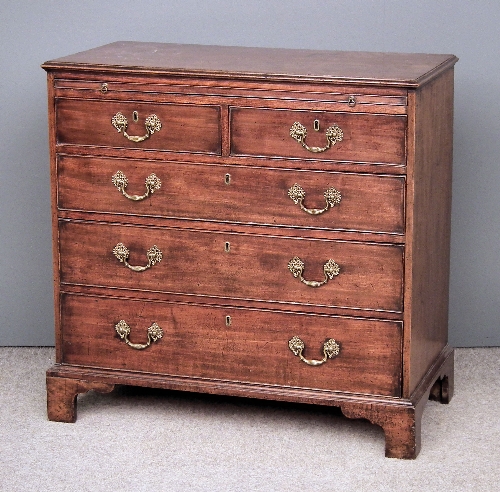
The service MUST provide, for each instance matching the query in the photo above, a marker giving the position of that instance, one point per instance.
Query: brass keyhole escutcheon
(316, 125)
(228, 320)
(104, 87)
(227, 246)
(135, 116)
(227, 178)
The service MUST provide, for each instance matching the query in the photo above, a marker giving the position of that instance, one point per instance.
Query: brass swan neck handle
(122, 254)
(123, 330)
(297, 194)
(152, 123)
(330, 349)
(333, 134)
(153, 183)
(296, 267)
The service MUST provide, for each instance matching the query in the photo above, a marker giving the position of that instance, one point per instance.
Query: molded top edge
(408, 70)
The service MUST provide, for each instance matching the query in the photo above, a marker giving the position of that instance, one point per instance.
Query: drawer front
(248, 346)
(234, 265)
(184, 128)
(235, 194)
(365, 137)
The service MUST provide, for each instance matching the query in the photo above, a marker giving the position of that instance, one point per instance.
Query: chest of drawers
(253, 222)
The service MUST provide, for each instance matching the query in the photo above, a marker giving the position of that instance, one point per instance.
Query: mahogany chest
(265, 223)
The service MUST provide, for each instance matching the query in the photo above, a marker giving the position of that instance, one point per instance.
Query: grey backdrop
(33, 32)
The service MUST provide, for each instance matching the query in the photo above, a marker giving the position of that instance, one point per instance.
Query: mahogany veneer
(208, 253)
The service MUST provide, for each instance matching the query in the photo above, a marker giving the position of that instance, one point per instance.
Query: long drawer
(241, 345)
(246, 195)
(173, 127)
(356, 137)
(263, 268)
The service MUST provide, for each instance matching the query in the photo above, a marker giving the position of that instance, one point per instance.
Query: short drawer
(371, 138)
(247, 346)
(276, 197)
(229, 265)
(172, 127)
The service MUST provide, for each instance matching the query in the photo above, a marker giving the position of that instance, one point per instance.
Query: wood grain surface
(198, 342)
(355, 68)
(241, 194)
(185, 128)
(366, 137)
(255, 267)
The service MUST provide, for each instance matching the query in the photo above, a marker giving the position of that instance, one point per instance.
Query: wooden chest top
(366, 68)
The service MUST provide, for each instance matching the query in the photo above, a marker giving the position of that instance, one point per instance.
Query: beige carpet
(150, 440)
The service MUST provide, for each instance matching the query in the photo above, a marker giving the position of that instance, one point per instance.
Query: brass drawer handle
(153, 254)
(153, 183)
(123, 330)
(330, 349)
(296, 266)
(333, 135)
(297, 194)
(153, 124)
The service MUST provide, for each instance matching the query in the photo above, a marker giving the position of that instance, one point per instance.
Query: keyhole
(228, 320)
(227, 247)
(135, 116)
(227, 178)
(316, 125)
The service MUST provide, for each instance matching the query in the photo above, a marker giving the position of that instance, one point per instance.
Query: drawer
(248, 346)
(371, 138)
(230, 265)
(184, 127)
(245, 195)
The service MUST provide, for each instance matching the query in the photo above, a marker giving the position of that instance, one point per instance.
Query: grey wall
(32, 32)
